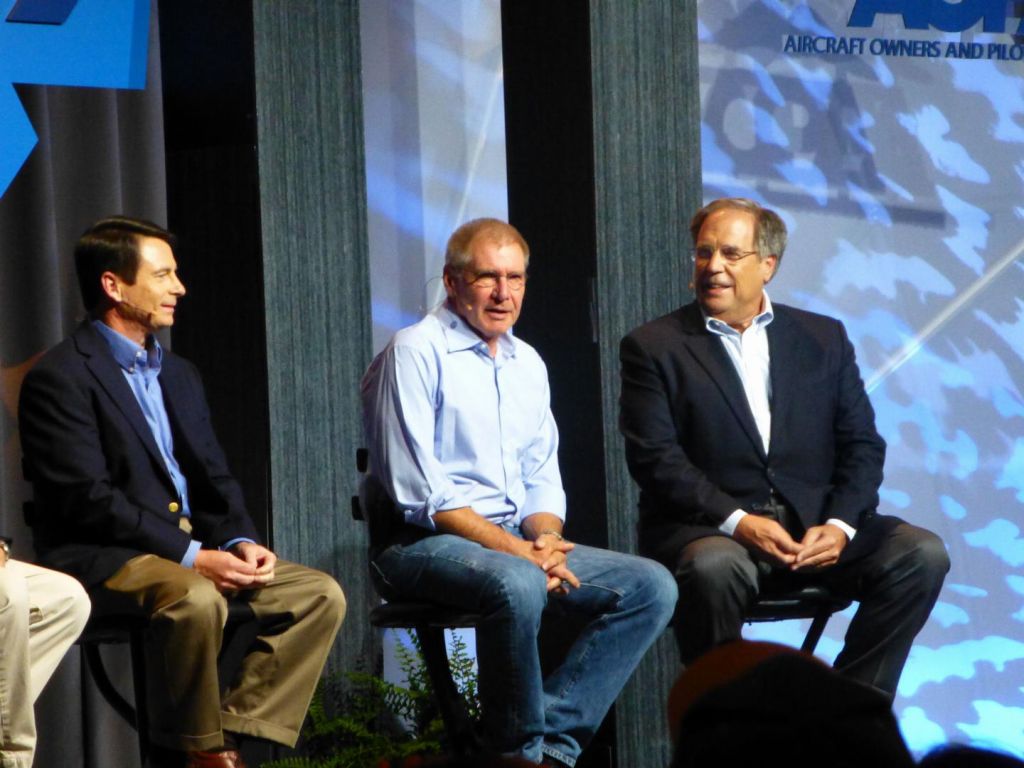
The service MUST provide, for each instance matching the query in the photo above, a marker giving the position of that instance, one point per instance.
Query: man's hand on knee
(551, 550)
(227, 571)
(822, 546)
(765, 535)
(259, 557)
(551, 554)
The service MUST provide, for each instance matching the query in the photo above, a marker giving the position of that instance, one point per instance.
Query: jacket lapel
(104, 368)
(707, 350)
(783, 370)
(174, 389)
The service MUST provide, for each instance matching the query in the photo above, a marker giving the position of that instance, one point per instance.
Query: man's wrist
(843, 526)
(230, 544)
(551, 532)
(733, 520)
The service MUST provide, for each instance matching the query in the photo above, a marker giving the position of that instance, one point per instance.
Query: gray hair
(457, 254)
(769, 228)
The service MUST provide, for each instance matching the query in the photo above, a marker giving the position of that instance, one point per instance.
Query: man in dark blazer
(753, 441)
(134, 498)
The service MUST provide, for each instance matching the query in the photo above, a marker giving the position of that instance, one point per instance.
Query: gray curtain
(317, 292)
(647, 184)
(100, 152)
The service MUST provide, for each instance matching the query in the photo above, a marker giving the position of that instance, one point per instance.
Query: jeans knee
(520, 590)
(660, 587)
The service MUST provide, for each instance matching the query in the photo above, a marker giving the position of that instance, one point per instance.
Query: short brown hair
(112, 245)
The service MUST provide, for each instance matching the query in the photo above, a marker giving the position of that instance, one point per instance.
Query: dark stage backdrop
(100, 151)
(316, 291)
(105, 151)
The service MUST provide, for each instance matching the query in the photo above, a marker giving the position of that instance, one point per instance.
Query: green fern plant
(359, 720)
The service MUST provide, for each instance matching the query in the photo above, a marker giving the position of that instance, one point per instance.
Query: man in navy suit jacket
(753, 441)
(134, 498)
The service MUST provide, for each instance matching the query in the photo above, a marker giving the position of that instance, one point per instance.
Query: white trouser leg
(41, 614)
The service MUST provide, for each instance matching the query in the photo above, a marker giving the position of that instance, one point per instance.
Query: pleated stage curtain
(100, 152)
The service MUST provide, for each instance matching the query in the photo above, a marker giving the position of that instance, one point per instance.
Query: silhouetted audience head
(748, 702)
(963, 756)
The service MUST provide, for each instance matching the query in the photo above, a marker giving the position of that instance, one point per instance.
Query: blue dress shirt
(449, 426)
(141, 369)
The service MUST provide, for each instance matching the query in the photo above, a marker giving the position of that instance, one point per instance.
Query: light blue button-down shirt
(141, 369)
(448, 426)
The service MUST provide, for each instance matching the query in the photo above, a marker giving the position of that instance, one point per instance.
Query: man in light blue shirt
(464, 453)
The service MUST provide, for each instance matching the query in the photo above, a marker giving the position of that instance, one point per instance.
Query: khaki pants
(271, 692)
(42, 612)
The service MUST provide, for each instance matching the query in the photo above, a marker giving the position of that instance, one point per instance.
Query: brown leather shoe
(229, 758)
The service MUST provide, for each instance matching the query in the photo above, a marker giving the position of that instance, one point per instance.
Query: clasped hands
(550, 553)
(245, 566)
(819, 548)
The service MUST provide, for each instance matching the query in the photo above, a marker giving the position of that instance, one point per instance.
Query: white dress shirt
(748, 351)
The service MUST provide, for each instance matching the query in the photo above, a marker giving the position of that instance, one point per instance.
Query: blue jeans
(627, 601)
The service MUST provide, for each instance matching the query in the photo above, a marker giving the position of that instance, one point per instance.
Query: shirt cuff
(190, 554)
(729, 526)
(445, 499)
(231, 542)
(846, 528)
(546, 499)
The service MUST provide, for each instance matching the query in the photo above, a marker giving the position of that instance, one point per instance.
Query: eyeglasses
(486, 281)
(730, 253)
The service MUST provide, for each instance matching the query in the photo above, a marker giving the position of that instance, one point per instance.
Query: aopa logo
(939, 14)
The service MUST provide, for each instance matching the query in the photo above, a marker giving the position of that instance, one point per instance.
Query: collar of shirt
(760, 321)
(141, 368)
(749, 354)
(129, 355)
(459, 336)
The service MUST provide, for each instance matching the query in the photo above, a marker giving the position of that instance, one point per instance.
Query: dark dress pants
(896, 584)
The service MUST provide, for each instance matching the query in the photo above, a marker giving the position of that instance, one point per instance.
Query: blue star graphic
(89, 43)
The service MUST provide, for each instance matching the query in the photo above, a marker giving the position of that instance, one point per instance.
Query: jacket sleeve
(656, 458)
(77, 496)
(859, 449)
(216, 500)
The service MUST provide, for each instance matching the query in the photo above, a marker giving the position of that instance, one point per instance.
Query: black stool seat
(402, 615)
(796, 603)
(786, 599)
